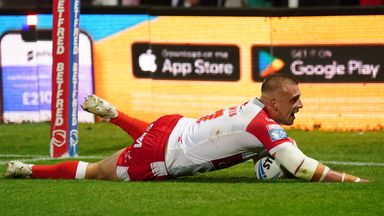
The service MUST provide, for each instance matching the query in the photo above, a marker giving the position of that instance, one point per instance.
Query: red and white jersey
(222, 139)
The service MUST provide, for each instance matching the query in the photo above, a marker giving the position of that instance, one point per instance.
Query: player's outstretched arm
(301, 166)
(323, 173)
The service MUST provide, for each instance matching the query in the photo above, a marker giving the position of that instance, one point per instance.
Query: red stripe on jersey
(259, 128)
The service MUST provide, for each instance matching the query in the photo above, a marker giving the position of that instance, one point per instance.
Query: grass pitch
(233, 191)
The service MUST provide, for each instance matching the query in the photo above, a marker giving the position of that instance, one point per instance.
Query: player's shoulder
(262, 123)
(253, 107)
(255, 111)
(262, 118)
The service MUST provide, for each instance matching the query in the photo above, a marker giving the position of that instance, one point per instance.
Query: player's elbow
(296, 162)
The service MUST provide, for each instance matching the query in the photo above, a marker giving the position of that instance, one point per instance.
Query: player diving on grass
(174, 145)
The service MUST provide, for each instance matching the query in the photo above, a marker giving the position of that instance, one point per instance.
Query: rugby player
(174, 145)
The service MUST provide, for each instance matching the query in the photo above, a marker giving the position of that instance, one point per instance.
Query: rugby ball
(268, 168)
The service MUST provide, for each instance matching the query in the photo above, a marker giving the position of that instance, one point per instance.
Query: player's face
(288, 103)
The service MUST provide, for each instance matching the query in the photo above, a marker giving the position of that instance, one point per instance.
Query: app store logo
(207, 62)
(147, 61)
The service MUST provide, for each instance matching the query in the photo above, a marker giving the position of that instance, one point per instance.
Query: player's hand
(364, 180)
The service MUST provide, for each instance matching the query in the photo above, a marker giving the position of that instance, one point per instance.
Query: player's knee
(90, 172)
(99, 171)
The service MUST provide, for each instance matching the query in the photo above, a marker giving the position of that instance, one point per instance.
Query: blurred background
(202, 3)
(151, 58)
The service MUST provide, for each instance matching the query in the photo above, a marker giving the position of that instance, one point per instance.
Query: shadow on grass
(238, 180)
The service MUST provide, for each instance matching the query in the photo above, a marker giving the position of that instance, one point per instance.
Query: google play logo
(268, 64)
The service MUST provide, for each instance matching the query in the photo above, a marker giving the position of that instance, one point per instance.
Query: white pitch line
(28, 158)
(23, 156)
(353, 163)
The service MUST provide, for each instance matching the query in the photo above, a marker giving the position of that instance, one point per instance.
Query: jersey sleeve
(271, 134)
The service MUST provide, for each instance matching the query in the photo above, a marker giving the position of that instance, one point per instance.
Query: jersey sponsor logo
(211, 116)
(139, 141)
(276, 132)
(232, 111)
(227, 161)
(180, 139)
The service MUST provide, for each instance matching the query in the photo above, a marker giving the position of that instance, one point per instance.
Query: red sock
(64, 170)
(134, 127)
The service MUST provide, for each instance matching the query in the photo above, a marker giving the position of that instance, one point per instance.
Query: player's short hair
(272, 82)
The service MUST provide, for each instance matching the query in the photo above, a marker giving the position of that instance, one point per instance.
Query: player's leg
(104, 169)
(100, 107)
(63, 170)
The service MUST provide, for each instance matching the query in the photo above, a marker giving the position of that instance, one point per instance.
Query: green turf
(232, 191)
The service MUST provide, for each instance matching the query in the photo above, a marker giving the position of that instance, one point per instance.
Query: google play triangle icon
(268, 64)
